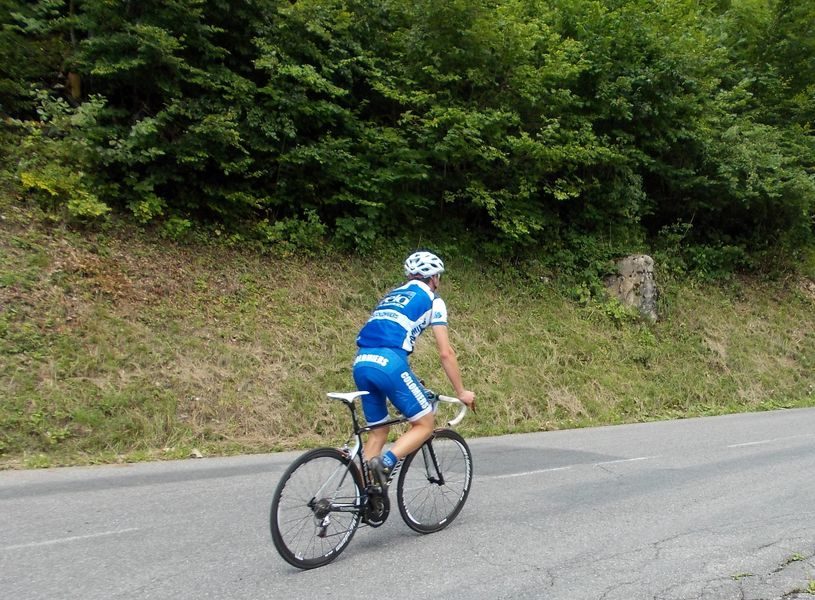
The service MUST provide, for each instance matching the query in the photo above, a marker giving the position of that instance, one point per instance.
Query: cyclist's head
(423, 265)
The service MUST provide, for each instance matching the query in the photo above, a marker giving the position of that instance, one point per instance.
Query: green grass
(115, 346)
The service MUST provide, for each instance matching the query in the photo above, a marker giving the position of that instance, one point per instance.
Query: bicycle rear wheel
(434, 482)
(316, 508)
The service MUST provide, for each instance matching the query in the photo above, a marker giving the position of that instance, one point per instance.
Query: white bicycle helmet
(423, 263)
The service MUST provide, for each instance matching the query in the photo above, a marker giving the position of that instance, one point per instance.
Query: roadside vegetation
(200, 201)
(117, 345)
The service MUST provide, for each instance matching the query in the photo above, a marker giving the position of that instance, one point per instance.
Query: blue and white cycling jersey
(401, 316)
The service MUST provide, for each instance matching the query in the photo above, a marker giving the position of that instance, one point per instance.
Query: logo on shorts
(374, 358)
(414, 389)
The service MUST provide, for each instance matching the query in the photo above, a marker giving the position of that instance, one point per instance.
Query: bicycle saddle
(347, 397)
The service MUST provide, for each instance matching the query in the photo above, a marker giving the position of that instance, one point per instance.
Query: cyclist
(381, 366)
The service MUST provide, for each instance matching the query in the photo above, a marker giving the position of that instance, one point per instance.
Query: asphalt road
(715, 508)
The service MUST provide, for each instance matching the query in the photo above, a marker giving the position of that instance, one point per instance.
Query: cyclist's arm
(449, 363)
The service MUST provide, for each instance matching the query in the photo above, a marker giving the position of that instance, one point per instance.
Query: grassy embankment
(116, 347)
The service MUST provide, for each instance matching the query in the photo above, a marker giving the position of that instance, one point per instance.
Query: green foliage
(808, 263)
(716, 262)
(677, 257)
(288, 236)
(356, 233)
(576, 128)
(58, 186)
(176, 228)
(617, 313)
(31, 52)
(57, 158)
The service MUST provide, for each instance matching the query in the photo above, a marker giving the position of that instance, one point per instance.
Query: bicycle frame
(355, 452)
(322, 508)
(311, 527)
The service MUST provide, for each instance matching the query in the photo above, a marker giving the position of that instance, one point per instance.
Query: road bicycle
(325, 494)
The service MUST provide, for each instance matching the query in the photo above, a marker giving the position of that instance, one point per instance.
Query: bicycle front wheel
(316, 508)
(434, 482)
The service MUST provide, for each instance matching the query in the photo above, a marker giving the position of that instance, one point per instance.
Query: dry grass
(120, 347)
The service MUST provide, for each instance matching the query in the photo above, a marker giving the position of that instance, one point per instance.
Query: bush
(288, 236)
(56, 158)
(57, 187)
(575, 128)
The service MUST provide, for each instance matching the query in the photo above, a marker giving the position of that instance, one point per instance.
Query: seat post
(354, 420)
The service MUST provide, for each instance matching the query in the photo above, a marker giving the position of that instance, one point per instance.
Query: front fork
(431, 464)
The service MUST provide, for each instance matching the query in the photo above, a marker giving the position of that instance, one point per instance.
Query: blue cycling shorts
(385, 374)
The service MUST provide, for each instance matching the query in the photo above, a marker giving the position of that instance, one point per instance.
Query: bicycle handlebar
(461, 411)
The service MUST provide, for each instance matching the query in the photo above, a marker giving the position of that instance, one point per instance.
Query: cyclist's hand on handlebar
(468, 398)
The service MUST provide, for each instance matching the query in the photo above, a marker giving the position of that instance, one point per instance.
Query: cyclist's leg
(410, 398)
(386, 373)
(375, 442)
(372, 380)
(420, 430)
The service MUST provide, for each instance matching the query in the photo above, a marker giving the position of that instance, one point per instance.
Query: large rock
(634, 284)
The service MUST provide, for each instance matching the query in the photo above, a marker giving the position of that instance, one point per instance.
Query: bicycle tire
(426, 505)
(294, 522)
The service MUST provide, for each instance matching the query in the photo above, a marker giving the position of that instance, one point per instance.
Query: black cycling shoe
(380, 472)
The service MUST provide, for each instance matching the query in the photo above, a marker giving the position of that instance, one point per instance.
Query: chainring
(378, 509)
